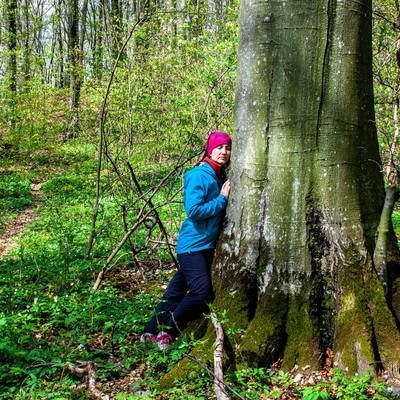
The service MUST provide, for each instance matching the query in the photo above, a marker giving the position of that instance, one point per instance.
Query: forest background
(104, 106)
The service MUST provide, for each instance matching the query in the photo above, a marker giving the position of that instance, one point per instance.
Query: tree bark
(295, 261)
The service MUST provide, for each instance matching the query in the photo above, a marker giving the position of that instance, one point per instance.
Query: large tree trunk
(294, 266)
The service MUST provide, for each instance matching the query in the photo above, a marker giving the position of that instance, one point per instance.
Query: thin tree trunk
(12, 9)
(83, 30)
(62, 81)
(117, 30)
(27, 44)
(74, 65)
(218, 357)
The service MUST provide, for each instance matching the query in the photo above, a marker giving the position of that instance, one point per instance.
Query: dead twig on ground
(88, 370)
(218, 353)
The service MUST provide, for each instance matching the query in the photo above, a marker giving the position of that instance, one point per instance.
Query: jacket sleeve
(198, 204)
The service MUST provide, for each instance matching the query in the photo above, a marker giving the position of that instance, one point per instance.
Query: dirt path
(7, 239)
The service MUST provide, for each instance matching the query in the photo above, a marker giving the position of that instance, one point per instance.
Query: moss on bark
(302, 347)
(265, 337)
(367, 336)
(182, 370)
(353, 331)
(353, 347)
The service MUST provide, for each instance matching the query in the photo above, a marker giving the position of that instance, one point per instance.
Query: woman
(206, 193)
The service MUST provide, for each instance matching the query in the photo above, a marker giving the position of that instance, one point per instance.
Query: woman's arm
(197, 205)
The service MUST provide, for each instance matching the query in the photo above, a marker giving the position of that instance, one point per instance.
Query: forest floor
(301, 378)
(8, 241)
(17, 225)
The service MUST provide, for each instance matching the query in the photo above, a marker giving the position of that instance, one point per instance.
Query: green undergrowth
(396, 221)
(50, 318)
(15, 195)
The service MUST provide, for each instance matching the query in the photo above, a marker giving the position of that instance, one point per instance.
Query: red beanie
(217, 139)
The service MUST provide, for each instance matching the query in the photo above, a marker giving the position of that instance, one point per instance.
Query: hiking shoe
(148, 336)
(163, 340)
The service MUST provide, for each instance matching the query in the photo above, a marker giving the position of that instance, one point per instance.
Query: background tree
(386, 59)
(295, 263)
(11, 13)
(116, 28)
(11, 8)
(27, 43)
(74, 57)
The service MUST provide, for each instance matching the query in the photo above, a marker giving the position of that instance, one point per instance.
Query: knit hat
(217, 139)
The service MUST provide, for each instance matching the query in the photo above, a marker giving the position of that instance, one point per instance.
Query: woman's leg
(174, 294)
(196, 268)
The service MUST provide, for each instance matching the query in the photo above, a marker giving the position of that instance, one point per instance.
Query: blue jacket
(204, 206)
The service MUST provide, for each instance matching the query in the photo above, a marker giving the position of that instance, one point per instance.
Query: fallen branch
(89, 371)
(218, 353)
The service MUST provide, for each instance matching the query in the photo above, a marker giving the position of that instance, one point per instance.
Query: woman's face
(221, 154)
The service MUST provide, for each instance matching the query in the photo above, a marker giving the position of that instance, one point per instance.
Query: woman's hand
(226, 188)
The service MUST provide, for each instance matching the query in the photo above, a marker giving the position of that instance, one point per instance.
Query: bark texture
(295, 263)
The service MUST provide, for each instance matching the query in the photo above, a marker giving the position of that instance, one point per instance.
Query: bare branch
(158, 219)
(198, 362)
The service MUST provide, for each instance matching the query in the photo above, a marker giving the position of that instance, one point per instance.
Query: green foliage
(385, 74)
(15, 192)
(396, 221)
(15, 195)
(250, 383)
(36, 122)
(310, 393)
(355, 387)
(252, 380)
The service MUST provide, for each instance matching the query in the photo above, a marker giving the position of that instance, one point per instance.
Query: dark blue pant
(187, 294)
